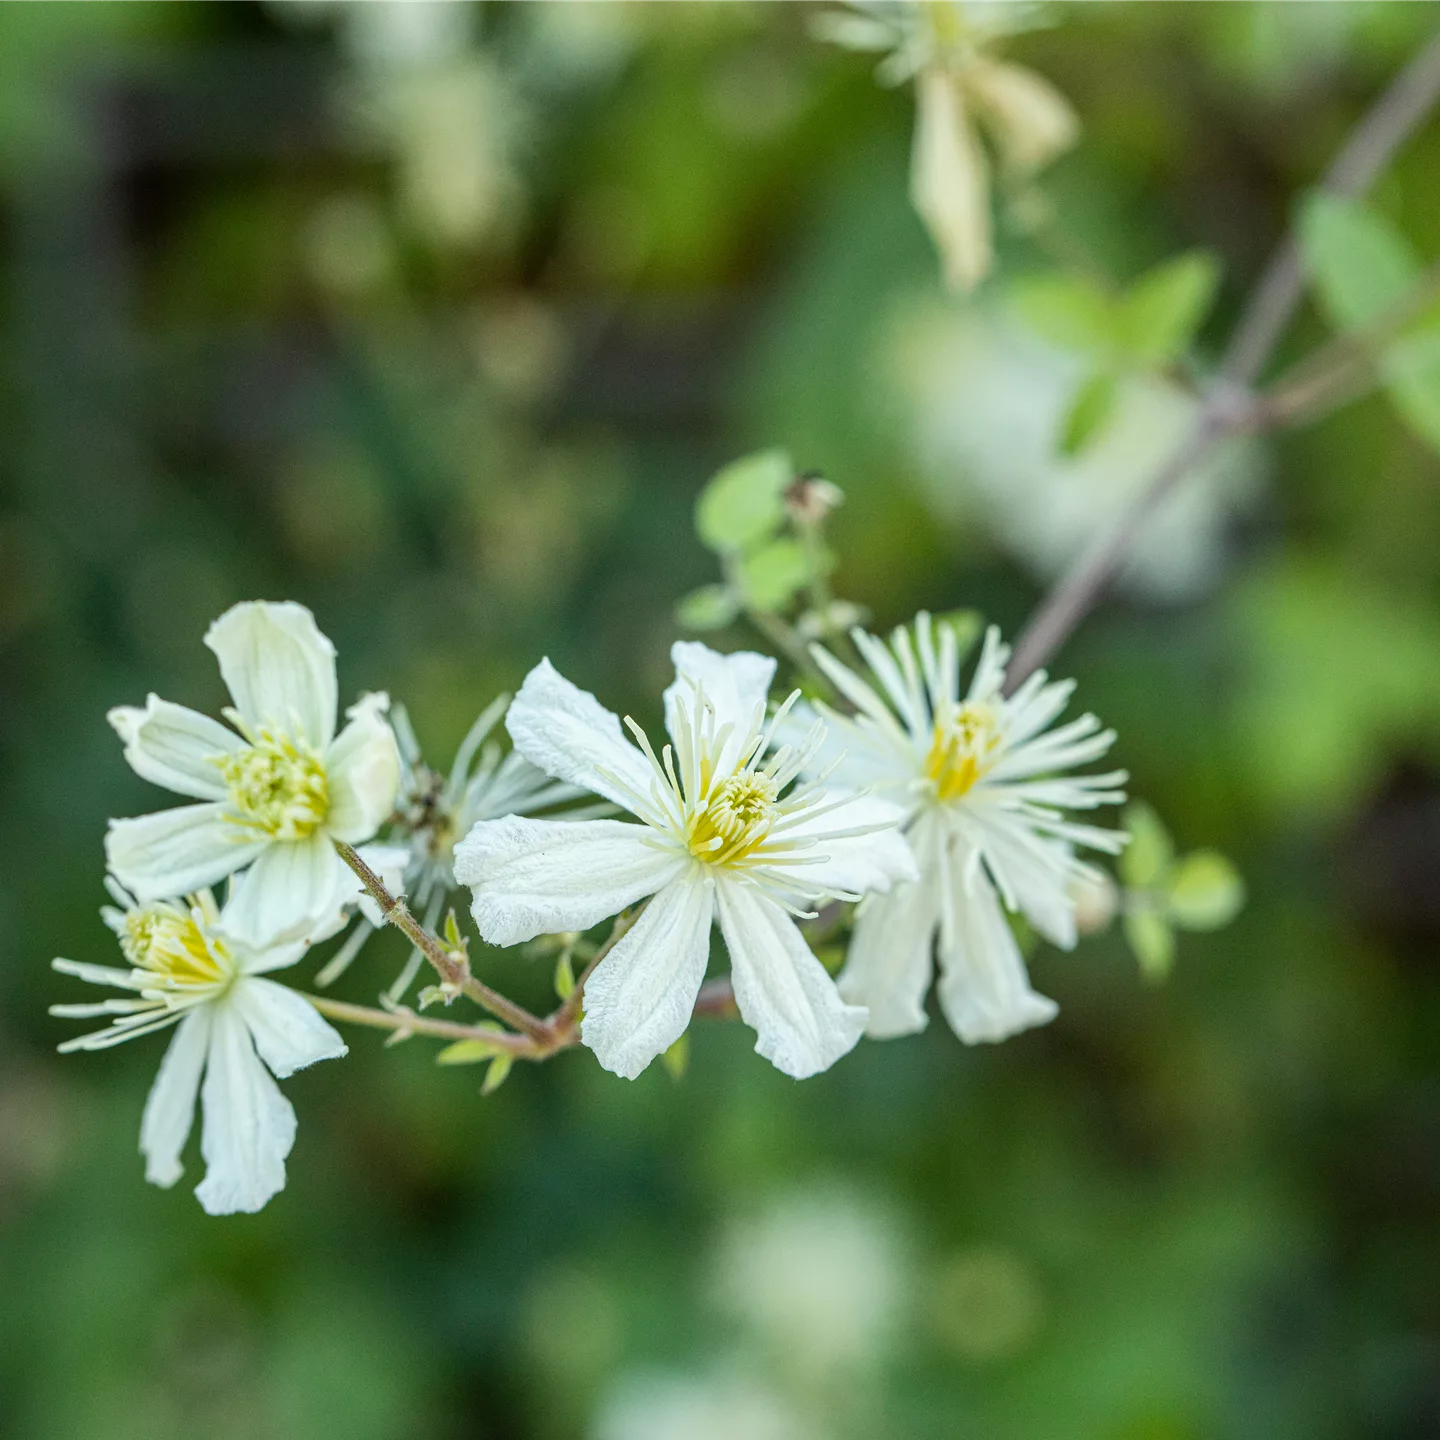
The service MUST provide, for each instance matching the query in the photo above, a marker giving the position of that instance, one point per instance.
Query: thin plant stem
(1229, 408)
(404, 1021)
(453, 969)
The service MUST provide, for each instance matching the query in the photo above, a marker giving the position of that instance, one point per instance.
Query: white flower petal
(1032, 872)
(249, 1125)
(889, 964)
(536, 877)
(289, 893)
(170, 1107)
(640, 998)
(1032, 122)
(737, 687)
(389, 862)
(984, 987)
(279, 668)
(362, 767)
(288, 1030)
(857, 755)
(569, 734)
(782, 990)
(949, 184)
(174, 852)
(175, 747)
(852, 864)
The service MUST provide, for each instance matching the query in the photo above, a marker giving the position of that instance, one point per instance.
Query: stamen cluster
(277, 785)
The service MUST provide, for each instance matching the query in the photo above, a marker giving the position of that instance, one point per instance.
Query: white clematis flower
(945, 47)
(233, 1026)
(981, 779)
(275, 795)
(719, 839)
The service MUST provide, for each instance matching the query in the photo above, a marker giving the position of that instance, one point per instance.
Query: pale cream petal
(949, 183)
(289, 893)
(984, 987)
(362, 767)
(279, 668)
(783, 992)
(537, 877)
(288, 1030)
(174, 852)
(569, 734)
(175, 747)
(735, 686)
(249, 1126)
(1032, 122)
(889, 964)
(840, 861)
(640, 998)
(170, 1106)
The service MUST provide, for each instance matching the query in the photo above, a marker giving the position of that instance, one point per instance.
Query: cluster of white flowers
(925, 809)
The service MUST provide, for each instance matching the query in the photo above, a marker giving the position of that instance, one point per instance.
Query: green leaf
(1360, 263)
(711, 607)
(1067, 310)
(1153, 942)
(677, 1058)
(564, 976)
(495, 1075)
(453, 938)
(1164, 308)
(1205, 891)
(745, 503)
(1089, 412)
(1411, 367)
(771, 576)
(1144, 861)
(471, 1052)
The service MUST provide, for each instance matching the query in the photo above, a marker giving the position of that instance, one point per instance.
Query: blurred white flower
(821, 1279)
(986, 400)
(274, 796)
(981, 779)
(945, 47)
(233, 1026)
(720, 839)
(725, 1406)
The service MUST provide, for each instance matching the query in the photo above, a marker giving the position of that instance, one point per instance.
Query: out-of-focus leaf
(1164, 308)
(771, 576)
(1068, 310)
(470, 1052)
(1153, 941)
(1362, 267)
(1205, 891)
(1150, 852)
(743, 505)
(711, 607)
(1089, 412)
(677, 1058)
(564, 976)
(496, 1075)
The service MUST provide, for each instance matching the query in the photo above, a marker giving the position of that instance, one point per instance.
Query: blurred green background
(438, 322)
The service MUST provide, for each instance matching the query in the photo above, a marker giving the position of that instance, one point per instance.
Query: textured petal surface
(736, 686)
(363, 769)
(783, 991)
(173, 852)
(279, 668)
(249, 1125)
(639, 1000)
(170, 1107)
(1032, 871)
(984, 987)
(889, 964)
(569, 734)
(289, 893)
(855, 863)
(175, 747)
(288, 1031)
(536, 877)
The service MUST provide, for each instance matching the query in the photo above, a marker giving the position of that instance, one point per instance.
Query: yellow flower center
(166, 940)
(735, 819)
(962, 750)
(278, 785)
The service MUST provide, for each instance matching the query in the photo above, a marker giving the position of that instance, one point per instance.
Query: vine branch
(1229, 407)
